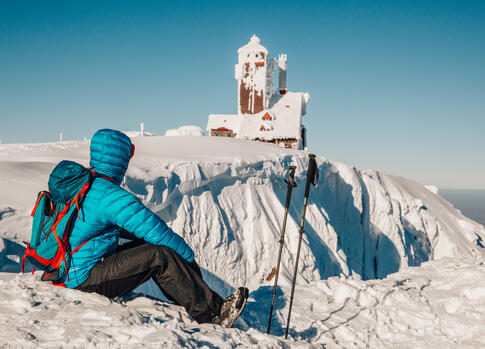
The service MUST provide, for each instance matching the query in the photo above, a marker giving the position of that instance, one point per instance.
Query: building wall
(252, 86)
(222, 133)
(290, 143)
(251, 100)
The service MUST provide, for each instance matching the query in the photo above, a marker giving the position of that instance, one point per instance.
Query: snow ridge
(360, 222)
(226, 198)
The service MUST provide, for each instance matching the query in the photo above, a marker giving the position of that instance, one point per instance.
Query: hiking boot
(232, 307)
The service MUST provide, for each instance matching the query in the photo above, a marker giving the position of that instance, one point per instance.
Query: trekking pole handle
(311, 178)
(290, 180)
(291, 176)
(312, 173)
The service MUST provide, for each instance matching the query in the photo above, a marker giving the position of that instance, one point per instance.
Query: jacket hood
(110, 153)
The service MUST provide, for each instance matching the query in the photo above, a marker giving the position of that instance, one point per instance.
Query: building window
(229, 135)
(217, 134)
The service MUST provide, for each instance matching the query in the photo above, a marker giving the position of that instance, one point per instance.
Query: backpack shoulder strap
(95, 175)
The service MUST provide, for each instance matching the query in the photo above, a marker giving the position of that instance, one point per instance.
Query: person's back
(108, 208)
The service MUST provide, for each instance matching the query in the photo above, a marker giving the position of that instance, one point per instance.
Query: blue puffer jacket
(107, 208)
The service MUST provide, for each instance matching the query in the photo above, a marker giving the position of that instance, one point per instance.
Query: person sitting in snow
(107, 268)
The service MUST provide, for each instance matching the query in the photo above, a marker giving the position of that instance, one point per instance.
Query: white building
(264, 113)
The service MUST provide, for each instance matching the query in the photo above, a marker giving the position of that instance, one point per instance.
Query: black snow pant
(138, 261)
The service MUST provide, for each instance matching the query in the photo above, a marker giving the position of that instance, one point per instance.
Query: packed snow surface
(439, 305)
(384, 261)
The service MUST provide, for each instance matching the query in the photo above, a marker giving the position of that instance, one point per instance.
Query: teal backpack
(54, 214)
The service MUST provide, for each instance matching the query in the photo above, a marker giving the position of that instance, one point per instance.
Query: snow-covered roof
(254, 45)
(281, 120)
(285, 111)
(229, 121)
(186, 131)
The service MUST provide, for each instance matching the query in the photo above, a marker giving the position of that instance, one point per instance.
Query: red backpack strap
(25, 257)
(60, 216)
(96, 174)
(41, 194)
(85, 242)
(79, 197)
(77, 248)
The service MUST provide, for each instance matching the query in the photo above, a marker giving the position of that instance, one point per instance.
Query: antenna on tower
(282, 66)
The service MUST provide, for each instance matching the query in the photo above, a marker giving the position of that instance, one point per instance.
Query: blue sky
(396, 85)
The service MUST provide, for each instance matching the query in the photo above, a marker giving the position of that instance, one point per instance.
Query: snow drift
(186, 131)
(226, 198)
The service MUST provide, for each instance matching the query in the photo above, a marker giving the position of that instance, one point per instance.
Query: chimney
(282, 73)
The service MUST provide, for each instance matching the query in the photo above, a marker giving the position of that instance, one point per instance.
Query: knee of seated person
(165, 250)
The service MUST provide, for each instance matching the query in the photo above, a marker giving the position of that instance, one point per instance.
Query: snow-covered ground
(226, 198)
(438, 305)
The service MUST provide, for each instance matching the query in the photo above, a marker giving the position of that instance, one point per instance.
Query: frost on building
(264, 112)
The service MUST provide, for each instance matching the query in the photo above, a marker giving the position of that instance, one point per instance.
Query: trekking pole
(311, 178)
(291, 184)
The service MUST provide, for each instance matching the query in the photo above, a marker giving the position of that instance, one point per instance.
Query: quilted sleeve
(124, 210)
